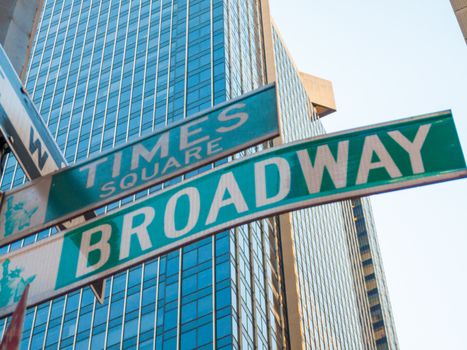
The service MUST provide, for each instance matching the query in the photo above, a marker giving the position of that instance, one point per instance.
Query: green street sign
(405, 153)
(202, 139)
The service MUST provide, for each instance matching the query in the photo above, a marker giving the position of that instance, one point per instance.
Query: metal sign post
(12, 338)
(386, 157)
(187, 145)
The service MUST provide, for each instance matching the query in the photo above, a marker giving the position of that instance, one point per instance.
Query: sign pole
(12, 338)
(4, 150)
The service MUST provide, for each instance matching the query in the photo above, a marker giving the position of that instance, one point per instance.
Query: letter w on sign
(36, 145)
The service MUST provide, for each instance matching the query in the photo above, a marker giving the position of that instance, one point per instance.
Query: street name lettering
(194, 142)
(164, 154)
(401, 154)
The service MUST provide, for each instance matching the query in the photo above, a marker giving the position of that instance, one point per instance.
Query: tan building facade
(330, 260)
(460, 8)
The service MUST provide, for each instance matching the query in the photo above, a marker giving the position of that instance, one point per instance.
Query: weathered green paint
(189, 144)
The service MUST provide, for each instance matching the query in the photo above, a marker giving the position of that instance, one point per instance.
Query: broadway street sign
(405, 153)
(202, 139)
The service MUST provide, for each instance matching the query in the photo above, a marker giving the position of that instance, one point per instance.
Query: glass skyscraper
(103, 72)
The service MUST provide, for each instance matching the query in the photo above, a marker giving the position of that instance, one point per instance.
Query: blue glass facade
(103, 72)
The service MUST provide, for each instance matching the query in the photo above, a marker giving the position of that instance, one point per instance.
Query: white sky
(389, 60)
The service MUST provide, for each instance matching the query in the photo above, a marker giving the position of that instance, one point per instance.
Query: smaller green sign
(187, 145)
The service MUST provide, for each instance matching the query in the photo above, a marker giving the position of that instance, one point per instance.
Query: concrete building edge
(287, 248)
(35, 23)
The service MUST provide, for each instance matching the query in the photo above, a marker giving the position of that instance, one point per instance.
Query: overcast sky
(389, 60)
